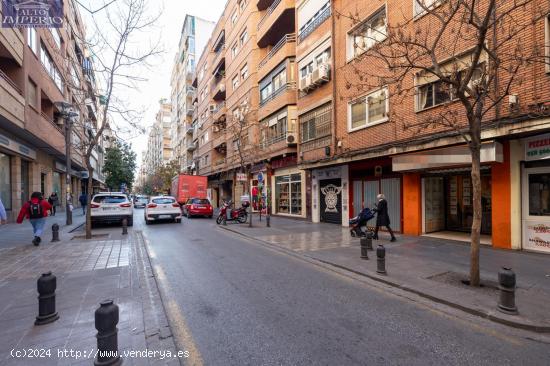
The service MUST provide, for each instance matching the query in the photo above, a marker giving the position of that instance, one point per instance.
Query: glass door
(536, 209)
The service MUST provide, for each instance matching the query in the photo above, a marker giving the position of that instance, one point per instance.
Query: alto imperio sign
(537, 147)
(537, 236)
(32, 13)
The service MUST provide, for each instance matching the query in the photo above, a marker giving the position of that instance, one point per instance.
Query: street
(234, 302)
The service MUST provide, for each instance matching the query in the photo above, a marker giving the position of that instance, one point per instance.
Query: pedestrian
(53, 200)
(3, 214)
(382, 217)
(84, 202)
(36, 210)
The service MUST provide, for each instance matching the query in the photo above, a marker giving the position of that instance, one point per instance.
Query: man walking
(83, 202)
(54, 202)
(3, 214)
(36, 210)
(382, 217)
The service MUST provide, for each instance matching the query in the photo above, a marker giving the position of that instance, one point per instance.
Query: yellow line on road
(183, 334)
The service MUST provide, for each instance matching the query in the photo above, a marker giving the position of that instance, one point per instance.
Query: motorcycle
(228, 214)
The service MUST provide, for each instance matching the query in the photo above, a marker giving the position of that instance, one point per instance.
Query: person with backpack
(36, 210)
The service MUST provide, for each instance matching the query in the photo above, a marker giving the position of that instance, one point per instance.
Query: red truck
(189, 186)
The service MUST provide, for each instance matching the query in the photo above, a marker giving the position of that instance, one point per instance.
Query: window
(56, 37)
(234, 17)
(539, 199)
(234, 50)
(244, 72)
(432, 94)
(206, 159)
(322, 58)
(279, 80)
(266, 92)
(74, 76)
(311, 16)
(421, 5)
(372, 31)
(206, 137)
(243, 37)
(368, 110)
(32, 96)
(316, 123)
(50, 67)
(242, 4)
(235, 82)
(31, 40)
(308, 69)
(288, 194)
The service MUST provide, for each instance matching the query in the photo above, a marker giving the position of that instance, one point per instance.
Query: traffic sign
(260, 177)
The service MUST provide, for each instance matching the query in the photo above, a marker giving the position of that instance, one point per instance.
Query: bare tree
(470, 53)
(116, 48)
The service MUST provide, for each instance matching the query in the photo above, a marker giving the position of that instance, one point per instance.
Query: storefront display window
(5, 179)
(56, 183)
(288, 194)
(539, 194)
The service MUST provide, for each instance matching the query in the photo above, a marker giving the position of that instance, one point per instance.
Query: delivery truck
(186, 186)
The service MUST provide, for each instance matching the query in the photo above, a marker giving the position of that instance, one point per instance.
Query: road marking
(183, 334)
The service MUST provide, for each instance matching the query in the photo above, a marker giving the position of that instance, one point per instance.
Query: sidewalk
(12, 235)
(87, 272)
(430, 267)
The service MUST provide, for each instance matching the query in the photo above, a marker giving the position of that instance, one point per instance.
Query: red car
(198, 207)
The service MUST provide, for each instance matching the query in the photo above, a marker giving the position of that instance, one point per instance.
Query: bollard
(370, 235)
(364, 248)
(507, 287)
(46, 286)
(55, 233)
(381, 259)
(106, 320)
(268, 221)
(125, 226)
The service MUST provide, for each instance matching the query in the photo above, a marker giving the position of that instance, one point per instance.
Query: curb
(384, 279)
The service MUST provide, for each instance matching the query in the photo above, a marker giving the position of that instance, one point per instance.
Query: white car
(162, 207)
(111, 207)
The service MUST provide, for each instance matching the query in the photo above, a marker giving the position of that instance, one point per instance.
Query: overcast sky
(168, 31)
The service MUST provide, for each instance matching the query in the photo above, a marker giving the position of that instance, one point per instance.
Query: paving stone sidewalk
(87, 272)
(430, 267)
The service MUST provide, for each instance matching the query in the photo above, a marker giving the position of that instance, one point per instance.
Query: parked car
(109, 207)
(140, 201)
(162, 207)
(198, 207)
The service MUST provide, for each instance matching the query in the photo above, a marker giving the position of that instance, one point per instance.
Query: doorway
(536, 209)
(330, 193)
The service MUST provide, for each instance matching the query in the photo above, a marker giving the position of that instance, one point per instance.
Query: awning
(446, 157)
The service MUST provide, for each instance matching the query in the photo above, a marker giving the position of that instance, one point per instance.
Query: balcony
(314, 24)
(277, 21)
(218, 89)
(12, 106)
(192, 147)
(219, 163)
(219, 142)
(189, 130)
(190, 111)
(190, 92)
(218, 111)
(286, 47)
(280, 98)
(290, 138)
(13, 42)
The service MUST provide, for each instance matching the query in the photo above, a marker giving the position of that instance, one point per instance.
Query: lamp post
(68, 113)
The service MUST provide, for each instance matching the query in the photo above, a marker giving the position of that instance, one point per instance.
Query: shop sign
(17, 147)
(537, 236)
(327, 173)
(537, 147)
(284, 162)
(241, 177)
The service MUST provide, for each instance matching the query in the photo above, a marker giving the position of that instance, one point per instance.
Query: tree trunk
(89, 206)
(476, 223)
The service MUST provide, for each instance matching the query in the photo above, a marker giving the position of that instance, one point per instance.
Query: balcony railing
(268, 12)
(314, 24)
(49, 119)
(275, 139)
(219, 162)
(289, 38)
(10, 82)
(291, 85)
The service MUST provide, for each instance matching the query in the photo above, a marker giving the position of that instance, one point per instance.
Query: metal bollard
(370, 235)
(381, 259)
(55, 233)
(364, 248)
(124, 226)
(106, 320)
(507, 287)
(46, 286)
(268, 221)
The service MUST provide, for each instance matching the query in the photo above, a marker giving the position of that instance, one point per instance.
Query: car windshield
(163, 200)
(109, 199)
(200, 201)
(142, 200)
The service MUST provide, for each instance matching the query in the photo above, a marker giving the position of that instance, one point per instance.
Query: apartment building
(194, 36)
(159, 145)
(39, 67)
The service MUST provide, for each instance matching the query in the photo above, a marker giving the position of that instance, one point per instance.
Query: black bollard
(268, 221)
(46, 286)
(364, 248)
(106, 320)
(55, 233)
(507, 287)
(370, 235)
(381, 259)
(125, 226)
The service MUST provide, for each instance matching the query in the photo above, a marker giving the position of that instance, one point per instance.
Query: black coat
(382, 217)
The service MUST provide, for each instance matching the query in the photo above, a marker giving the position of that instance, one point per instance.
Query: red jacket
(25, 210)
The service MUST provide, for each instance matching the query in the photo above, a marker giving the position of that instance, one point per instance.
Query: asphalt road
(231, 301)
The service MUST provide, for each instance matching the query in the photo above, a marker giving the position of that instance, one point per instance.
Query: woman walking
(382, 217)
(54, 202)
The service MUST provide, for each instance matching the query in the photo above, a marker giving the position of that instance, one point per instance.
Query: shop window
(367, 34)
(539, 194)
(368, 110)
(288, 194)
(5, 181)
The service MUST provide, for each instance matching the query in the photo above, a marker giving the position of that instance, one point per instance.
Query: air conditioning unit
(291, 138)
(305, 83)
(212, 108)
(315, 76)
(324, 72)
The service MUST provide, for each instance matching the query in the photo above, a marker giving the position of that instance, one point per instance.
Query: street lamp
(68, 113)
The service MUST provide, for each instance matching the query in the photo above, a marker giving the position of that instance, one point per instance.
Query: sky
(168, 30)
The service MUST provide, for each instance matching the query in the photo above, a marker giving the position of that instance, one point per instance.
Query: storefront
(330, 189)
(535, 183)
(5, 180)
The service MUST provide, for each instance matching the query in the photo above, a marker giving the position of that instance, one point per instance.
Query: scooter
(227, 214)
